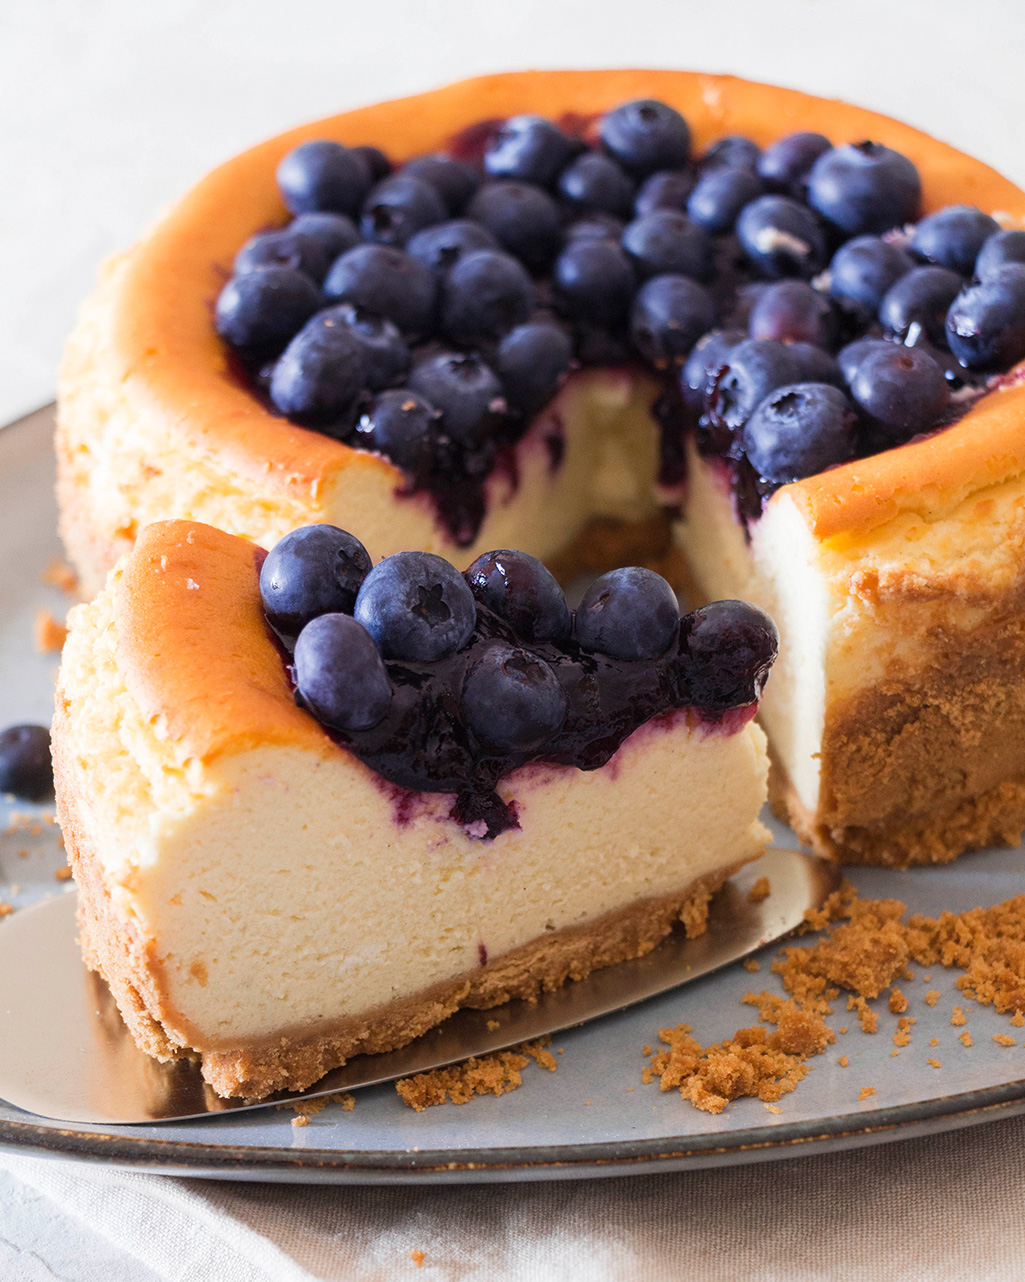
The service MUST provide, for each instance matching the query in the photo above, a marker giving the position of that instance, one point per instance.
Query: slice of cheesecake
(259, 896)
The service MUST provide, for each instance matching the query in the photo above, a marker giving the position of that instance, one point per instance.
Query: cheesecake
(287, 853)
(565, 312)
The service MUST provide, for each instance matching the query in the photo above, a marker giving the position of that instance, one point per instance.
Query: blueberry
(918, 302)
(595, 225)
(719, 197)
(512, 700)
(399, 207)
(752, 370)
(440, 247)
(288, 248)
(323, 175)
(388, 357)
(707, 358)
(798, 430)
(594, 281)
(260, 311)
(901, 389)
(791, 311)
(532, 361)
(417, 607)
(317, 569)
(1000, 249)
(340, 675)
(645, 136)
(732, 152)
(864, 188)
(986, 322)
(524, 218)
(669, 315)
(520, 590)
(953, 237)
(465, 391)
(594, 181)
(781, 237)
(784, 165)
(666, 189)
(403, 427)
(386, 281)
(377, 163)
(485, 295)
(667, 241)
(26, 771)
(726, 651)
(851, 356)
(320, 374)
(454, 181)
(529, 149)
(815, 365)
(865, 268)
(335, 232)
(628, 614)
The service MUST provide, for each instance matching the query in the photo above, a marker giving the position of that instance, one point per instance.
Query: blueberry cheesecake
(765, 341)
(316, 805)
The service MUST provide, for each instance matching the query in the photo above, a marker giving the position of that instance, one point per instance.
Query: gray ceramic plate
(591, 1117)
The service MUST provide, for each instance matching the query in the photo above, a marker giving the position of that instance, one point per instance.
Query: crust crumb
(1002, 1039)
(761, 890)
(63, 873)
(934, 1041)
(48, 633)
(751, 965)
(418, 1258)
(300, 1120)
(866, 1092)
(935, 1063)
(58, 574)
(496, 1074)
(898, 1002)
(773, 1108)
(966, 1039)
(6, 909)
(308, 1108)
(492, 1024)
(959, 1019)
(932, 997)
(842, 1060)
(1018, 1020)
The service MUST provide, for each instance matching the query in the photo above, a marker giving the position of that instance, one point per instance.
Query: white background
(109, 109)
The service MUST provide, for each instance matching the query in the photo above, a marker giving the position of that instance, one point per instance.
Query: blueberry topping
(485, 295)
(399, 207)
(465, 391)
(726, 651)
(288, 248)
(512, 700)
(781, 237)
(814, 365)
(519, 589)
(323, 175)
(865, 268)
(377, 163)
(667, 189)
(387, 354)
(901, 389)
(454, 181)
(628, 614)
(524, 219)
(865, 188)
(791, 311)
(986, 322)
(531, 362)
(335, 232)
(595, 225)
(752, 370)
(669, 315)
(26, 771)
(798, 430)
(594, 280)
(707, 358)
(529, 149)
(320, 374)
(645, 136)
(594, 181)
(953, 237)
(1000, 249)
(785, 164)
(387, 281)
(261, 310)
(416, 606)
(917, 304)
(732, 152)
(440, 247)
(667, 241)
(315, 570)
(403, 427)
(720, 195)
(851, 356)
(339, 673)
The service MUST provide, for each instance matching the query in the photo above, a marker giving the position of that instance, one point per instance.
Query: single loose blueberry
(287, 248)
(519, 589)
(669, 315)
(529, 149)
(727, 649)
(317, 569)
(953, 237)
(851, 356)
(320, 374)
(864, 268)
(417, 607)
(340, 675)
(403, 427)
(645, 136)
(707, 358)
(791, 311)
(594, 181)
(323, 175)
(26, 771)
(732, 152)
(667, 241)
(918, 302)
(630, 613)
(798, 430)
(785, 164)
(720, 195)
(260, 311)
(901, 389)
(594, 281)
(781, 237)
(454, 181)
(595, 225)
(1000, 249)
(485, 295)
(532, 361)
(864, 188)
(398, 207)
(752, 369)
(335, 232)
(388, 358)
(377, 163)
(387, 281)
(440, 247)
(465, 391)
(667, 189)
(524, 219)
(512, 699)
(986, 322)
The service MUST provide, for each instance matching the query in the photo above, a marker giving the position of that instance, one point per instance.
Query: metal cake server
(65, 1053)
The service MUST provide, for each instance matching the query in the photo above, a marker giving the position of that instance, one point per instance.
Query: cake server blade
(65, 1053)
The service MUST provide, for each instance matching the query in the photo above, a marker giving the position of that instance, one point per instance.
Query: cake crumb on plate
(48, 633)
(761, 890)
(417, 1257)
(496, 1074)
(866, 1092)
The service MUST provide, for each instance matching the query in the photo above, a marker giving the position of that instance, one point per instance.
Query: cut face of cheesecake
(257, 895)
